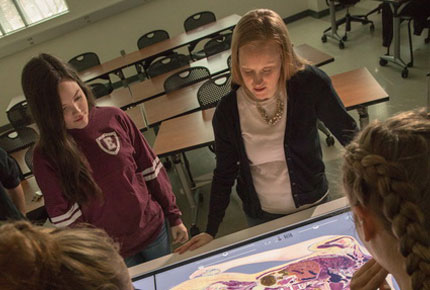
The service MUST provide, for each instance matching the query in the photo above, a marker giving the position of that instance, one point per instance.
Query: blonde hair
(264, 25)
(387, 169)
(40, 258)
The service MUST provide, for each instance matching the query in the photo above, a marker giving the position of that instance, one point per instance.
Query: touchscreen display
(319, 255)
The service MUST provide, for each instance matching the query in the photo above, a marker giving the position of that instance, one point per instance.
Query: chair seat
(18, 139)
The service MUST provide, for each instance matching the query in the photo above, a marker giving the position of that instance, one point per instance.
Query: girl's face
(75, 105)
(260, 68)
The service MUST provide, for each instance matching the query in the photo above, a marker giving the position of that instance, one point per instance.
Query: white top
(264, 146)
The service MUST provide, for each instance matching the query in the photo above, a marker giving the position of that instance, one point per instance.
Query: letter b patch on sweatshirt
(109, 143)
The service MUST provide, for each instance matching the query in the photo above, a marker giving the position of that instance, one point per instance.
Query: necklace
(278, 114)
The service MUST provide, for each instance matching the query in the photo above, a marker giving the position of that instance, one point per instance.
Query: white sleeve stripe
(155, 174)
(72, 219)
(151, 169)
(67, 215)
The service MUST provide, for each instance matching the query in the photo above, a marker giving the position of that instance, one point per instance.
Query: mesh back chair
(213, 90)
(99, 90)
(87, 60)
(146, 40)
(217, 44)
(20, 136)
(152, 37)
(166, 64)
(195, 21)
(185, 78)
(229, 62)
(199, 19)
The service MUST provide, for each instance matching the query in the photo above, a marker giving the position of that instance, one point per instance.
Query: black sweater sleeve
(226, 169)
(331, 111)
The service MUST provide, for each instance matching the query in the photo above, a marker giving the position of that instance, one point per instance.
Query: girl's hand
(370, 276)
(179, 233)
(196, 242)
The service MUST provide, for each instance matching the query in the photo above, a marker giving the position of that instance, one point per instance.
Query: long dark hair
(40, 79)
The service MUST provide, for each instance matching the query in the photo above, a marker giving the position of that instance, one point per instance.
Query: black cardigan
(310, 96)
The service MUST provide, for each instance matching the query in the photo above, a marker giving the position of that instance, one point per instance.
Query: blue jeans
(158, 248)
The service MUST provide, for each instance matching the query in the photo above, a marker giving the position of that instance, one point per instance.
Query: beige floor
(363, 48)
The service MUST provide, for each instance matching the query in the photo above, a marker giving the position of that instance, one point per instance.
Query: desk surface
(153, 87)
(314, 56)
(120, 98)
(172, 137)
(160, 47)
(356, 88)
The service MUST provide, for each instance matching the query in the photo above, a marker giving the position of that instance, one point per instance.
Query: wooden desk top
(150, 88)
(171, 137)
(172, 104)
(120, 98)
(160, 47)
(356, 88)
(314, 56)
(136, 115)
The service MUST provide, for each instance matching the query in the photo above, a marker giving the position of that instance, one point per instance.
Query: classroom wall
(107, 37)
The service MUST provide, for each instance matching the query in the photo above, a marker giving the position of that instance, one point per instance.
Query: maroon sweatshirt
(137, 192)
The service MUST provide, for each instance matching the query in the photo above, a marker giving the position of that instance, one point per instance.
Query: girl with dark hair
(387, 180)
(93, 165)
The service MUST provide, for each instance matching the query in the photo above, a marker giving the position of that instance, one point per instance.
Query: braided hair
(41, 258)
(387, 169)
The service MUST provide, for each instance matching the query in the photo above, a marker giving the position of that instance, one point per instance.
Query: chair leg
(411, 63)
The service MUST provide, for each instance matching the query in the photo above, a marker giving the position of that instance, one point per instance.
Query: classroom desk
(153, 87)
(120, 98)
(35, 205)
(115, 65)
(357, 90)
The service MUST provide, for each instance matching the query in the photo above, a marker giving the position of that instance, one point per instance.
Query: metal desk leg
(186, 186)
(364, 116)
(396, 57)
(332, 30)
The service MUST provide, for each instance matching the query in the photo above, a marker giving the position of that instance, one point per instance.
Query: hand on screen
(370, 276)
(195, 243)
(179, 233)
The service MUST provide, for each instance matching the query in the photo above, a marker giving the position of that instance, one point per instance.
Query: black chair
(217, 44)
(195, 21)
(21, 136)
(99, 90)
(229, 62)
(166, 64)
(146, 40)
(213, 90)
(28, 157)
(347, 20)
(185, 78)
(87, 60)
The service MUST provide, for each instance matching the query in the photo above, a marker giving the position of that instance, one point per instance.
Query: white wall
(120, 31)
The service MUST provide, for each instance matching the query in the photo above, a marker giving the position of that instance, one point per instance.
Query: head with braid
(387, 181)
(40, 258)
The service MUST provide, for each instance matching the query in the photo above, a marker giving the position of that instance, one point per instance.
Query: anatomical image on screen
(321, 255)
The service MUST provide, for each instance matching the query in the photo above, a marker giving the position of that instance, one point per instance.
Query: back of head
(387, 170)
(33, 257)
(264, 25)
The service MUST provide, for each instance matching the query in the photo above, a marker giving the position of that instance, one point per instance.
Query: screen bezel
(243, 242)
